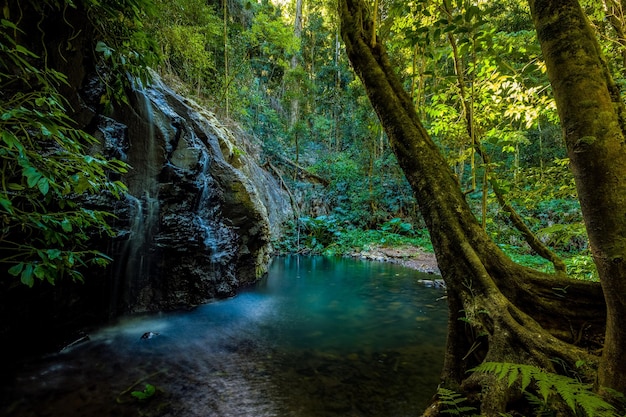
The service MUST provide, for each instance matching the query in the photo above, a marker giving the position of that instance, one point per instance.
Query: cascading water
(136, 258)
(137, 251)
(216, 236)
(196, 225)
(193, 227)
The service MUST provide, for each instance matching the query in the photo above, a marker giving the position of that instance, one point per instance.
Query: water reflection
(318, 337)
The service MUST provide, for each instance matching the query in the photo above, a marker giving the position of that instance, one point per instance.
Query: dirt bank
(409, 256)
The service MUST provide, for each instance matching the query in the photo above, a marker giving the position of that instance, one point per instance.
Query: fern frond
(467, 410)
(544, 383)
(526, 380)
(513, 374)
(504, 369)
(540, 408)
(577, 395)
(452, 401)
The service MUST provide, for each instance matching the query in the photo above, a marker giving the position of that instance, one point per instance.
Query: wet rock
(434, 283)
(197, 223)
(203, 212)
(194, 227)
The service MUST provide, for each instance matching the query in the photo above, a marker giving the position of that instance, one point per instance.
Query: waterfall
(136, 264)
(193, 227)
(216, 235)
(144, 216)
(204, 183)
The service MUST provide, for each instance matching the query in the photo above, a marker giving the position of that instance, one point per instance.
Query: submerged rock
(149, 335)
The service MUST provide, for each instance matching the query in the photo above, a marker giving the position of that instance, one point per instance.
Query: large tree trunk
(592, 114)
(509, 313)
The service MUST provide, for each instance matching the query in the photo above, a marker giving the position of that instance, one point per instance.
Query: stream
(317, 337)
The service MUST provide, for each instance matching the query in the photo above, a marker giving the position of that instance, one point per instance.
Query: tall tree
(593, 117)
(226, 71)
(499, 310)
(297, 33)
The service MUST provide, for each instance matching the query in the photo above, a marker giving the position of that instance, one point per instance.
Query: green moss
(241, 196)
(586, 140)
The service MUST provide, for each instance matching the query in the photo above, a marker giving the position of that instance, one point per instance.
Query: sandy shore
(409, 256)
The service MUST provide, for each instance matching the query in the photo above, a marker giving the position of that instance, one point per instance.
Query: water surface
(318, 337)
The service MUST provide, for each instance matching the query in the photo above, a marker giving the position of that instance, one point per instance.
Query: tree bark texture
(592, 115)
(499, 311)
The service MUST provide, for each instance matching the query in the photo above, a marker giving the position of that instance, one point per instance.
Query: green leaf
(15, 270)
(513, 376)
(11, 140)
(82, 184)
(101, 46)
(6, 205)
(9, 24)
(66, 225)
(23, 50)
(526, 379)
(105, 49)
(53, 254)
(44, 185)
(150, 389)
(45, 131)
(148, 392)
(32, 176)
(27, 275)
(77, 276)
(15, 187)
(40, 271)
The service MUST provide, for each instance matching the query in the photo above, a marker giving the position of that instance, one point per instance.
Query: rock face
(197, 223)
(200, 214)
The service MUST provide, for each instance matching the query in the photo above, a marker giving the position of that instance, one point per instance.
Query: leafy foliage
(122, 48)
(189, 34)
(319, 232)
(147, 393)
(582, 267)
(453, 403)
(578, 396)
(488, 52)
(326, 235)
(396, 225)
(48, 169)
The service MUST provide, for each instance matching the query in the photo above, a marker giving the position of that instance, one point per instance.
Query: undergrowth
(327, 235)
(546, 391)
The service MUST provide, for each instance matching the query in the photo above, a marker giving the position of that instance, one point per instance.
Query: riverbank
(408, 256)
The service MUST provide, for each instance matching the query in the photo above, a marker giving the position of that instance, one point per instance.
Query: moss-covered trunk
(593, 118)
(509, 313)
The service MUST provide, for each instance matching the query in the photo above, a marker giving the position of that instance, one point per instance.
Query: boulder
(201, 213)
